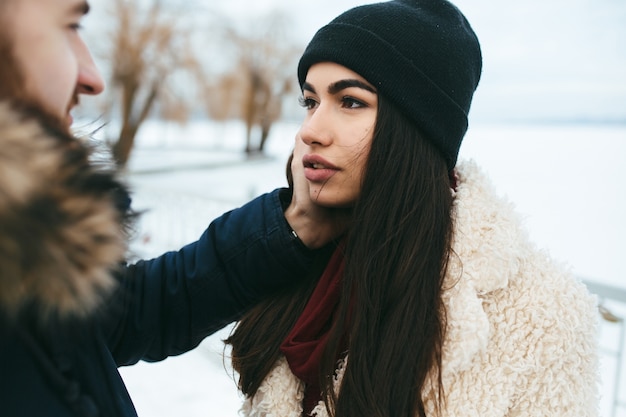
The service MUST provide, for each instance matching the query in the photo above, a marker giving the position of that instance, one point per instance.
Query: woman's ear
(288, 171)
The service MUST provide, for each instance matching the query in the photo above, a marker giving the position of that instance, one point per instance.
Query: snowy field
(565, 179)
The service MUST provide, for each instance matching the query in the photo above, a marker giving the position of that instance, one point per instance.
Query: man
(66, 320)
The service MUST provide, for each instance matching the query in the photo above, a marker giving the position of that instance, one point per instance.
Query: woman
(434, 303)
(71, 312)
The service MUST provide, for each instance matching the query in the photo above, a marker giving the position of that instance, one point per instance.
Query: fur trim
(61, 234)
(521, 332)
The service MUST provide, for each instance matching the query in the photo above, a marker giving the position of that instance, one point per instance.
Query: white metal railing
(170, 220)
(612, 309)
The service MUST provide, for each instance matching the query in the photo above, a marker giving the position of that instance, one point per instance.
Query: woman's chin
(330, 202)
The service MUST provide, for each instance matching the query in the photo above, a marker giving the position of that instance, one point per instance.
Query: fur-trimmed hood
(61, 233)
(520, 331)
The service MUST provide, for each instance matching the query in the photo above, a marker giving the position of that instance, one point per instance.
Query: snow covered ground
(565, 179)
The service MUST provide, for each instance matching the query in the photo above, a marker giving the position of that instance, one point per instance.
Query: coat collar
(486, 232)
(486, 235)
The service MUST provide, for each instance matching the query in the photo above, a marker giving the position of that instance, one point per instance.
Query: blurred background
(201, 109)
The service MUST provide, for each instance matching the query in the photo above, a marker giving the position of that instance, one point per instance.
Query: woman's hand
(315, 225)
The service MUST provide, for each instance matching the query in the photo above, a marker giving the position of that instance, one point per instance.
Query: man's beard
(52, 123)
(11, 76)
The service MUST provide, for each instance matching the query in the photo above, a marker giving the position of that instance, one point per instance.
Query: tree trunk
(124, 145)
(130, 126)
(248, 136)
(266, 125)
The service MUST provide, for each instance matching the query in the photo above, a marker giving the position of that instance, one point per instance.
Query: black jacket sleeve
(168, 305)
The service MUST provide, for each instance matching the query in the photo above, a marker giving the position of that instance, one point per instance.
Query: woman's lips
(317, 169)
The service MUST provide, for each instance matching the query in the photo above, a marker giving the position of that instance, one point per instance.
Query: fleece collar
(486, 237)
(486, 233)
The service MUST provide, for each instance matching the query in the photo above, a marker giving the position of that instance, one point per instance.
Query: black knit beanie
(420, 54)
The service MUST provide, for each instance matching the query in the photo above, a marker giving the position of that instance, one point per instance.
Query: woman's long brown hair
(397, 254)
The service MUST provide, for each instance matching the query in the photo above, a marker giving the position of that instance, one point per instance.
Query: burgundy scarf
(305, 344)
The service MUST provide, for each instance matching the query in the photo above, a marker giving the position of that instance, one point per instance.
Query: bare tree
(262, 74)
(150, 49)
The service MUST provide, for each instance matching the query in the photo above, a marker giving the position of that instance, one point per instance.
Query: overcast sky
(551, 59)
(547, 60)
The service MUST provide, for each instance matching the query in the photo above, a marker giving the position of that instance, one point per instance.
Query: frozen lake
(565, 180)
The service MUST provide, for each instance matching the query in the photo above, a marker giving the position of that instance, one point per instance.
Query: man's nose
(90, 80)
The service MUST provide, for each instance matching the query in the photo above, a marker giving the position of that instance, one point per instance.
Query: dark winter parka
(70, 313)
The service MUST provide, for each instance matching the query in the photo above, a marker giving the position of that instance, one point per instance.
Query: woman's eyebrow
(336, 87)
(308, 87)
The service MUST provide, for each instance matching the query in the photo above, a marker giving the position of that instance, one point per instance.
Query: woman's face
(55, 63)
(335, 137)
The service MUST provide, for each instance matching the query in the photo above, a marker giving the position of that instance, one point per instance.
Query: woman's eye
(352, 103)
(307, 102)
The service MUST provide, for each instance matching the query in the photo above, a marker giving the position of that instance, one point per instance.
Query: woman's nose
(317, 128)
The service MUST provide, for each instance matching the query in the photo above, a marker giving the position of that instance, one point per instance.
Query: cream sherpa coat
(521, 336)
